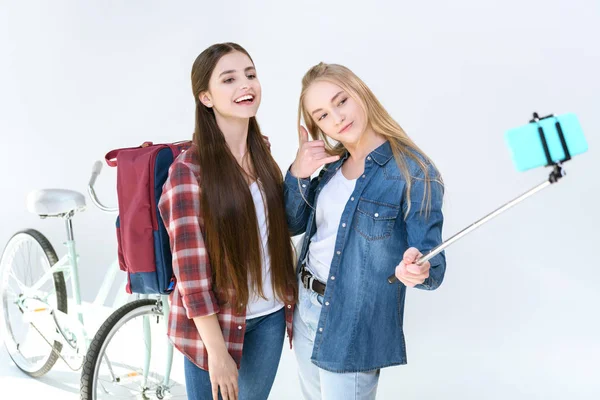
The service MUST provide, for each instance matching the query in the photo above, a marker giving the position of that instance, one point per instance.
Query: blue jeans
(316, 383)
(263, 342)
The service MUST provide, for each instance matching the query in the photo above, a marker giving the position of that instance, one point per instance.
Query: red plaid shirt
(194, 294)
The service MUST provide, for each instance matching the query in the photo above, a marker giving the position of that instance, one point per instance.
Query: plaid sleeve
(179, 208)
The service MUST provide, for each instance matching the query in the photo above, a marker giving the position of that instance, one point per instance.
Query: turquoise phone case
(526, 147)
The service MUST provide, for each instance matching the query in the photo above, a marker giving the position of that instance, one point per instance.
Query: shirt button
(364, 176)
(326, 303)
(338, 252)
(344, 225)
(376, 215)
(289, 306)
(351, 198)
(320, 329)
(369, 158)
(333, 278)
(304, 185)
(240, 327)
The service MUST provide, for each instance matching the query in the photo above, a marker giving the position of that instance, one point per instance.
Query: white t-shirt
(330, 206)
(257, 306)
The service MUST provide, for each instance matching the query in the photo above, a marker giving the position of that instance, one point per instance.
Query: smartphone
(527, 150)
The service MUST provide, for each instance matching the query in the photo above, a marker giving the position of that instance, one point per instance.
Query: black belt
(310, 282)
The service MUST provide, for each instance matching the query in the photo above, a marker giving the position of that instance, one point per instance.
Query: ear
(205, 99)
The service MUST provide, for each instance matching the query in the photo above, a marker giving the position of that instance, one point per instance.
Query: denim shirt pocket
(375, 220)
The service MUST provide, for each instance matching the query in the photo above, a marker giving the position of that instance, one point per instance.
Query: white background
(517, 315)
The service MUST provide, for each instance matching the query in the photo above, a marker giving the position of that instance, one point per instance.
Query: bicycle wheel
(31, 342)
(123, 349)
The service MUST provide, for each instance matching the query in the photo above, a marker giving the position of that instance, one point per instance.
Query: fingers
(266, 140)
(411, 255)
(229, 391)
(226, 392)
(303, 135)
(317, 152)
(410, 279)
(234, 391)
(323, 157)
(418, 269)
(315, 143)
(215, 390)
(330, 159)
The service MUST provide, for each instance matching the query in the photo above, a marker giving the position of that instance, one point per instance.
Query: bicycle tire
(61, 300)
(101, 339)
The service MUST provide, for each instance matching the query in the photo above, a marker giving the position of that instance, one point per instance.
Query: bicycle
(37, 321)
(39, 300)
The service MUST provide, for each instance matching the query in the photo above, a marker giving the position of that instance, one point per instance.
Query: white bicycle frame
(71, 325)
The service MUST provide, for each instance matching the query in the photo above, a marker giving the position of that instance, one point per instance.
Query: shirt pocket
(375, 220)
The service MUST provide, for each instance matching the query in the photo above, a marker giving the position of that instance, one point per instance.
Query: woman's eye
(228, 80)
(342, 102)
(252, 76)
(322, 116)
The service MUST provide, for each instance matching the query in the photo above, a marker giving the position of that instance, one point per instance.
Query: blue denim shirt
(360, 327)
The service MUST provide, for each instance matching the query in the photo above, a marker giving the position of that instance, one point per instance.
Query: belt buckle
(307, 281)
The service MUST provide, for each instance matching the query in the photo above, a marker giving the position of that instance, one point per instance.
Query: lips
(346, 128)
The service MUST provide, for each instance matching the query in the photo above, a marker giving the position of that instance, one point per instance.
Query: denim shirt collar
(380, 155)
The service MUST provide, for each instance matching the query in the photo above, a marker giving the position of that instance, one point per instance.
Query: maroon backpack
(143, 242)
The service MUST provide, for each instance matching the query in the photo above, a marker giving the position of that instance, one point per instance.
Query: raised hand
(310, 157)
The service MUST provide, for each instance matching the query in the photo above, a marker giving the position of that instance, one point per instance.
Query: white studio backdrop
(517, 315)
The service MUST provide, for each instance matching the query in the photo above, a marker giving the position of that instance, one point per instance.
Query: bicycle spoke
(9, 291)
(28, 263)
(112, 373)
(21, 285)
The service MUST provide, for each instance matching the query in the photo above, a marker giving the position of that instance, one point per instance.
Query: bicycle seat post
(73, 263)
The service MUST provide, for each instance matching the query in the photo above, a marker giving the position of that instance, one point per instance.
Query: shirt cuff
(295, 184)
(200, 304)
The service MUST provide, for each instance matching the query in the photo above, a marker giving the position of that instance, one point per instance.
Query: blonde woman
(371, 212)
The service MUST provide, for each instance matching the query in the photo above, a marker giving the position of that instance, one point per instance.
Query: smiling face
(233, 90)
(337, 114)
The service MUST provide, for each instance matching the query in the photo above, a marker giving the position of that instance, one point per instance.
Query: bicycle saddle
(54, 202)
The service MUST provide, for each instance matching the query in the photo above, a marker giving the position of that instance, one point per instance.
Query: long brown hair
(230, 222)
(378, 119)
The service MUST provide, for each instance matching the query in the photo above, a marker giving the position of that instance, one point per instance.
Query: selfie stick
(555, 175)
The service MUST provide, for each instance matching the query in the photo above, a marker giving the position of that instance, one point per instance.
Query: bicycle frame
(69, 266)
(148, 339)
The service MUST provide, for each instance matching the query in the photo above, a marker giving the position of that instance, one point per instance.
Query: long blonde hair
(378, 119)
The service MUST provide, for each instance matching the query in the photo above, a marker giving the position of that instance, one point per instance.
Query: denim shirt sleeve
(424, 229)
(297, 211)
